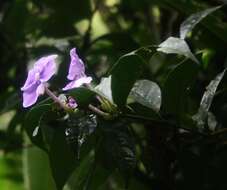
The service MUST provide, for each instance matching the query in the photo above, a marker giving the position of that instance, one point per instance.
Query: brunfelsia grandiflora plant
(89, 128)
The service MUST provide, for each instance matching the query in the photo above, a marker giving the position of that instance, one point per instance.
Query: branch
(162, 123)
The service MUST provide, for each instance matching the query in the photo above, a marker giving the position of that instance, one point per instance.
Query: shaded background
(102, 31)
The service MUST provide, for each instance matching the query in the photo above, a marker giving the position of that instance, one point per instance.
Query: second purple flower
(76, 73)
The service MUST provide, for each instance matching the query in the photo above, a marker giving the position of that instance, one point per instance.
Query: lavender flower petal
(29, 81)
(77, 83)
(30, 96)
(40, 89)
(49, 69)
(76, 68)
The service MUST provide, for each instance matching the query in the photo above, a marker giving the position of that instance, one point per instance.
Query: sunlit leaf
(176, 46)
(147, 93)
(193, 20)
(207, 99)
(104, 88)
(211, 121)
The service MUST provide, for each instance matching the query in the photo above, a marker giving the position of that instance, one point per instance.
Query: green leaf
(33, 120)
(98, 177)
(177, 86)
(118, 146)
(68, 148)
(213, 24)
(146, 52)
(81, 174)
(62, 157)
(188, 25)
(124, 74)
(207, 99)
(147, 93)
(177, 46)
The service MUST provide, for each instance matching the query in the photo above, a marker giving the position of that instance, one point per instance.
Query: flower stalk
(56, 99)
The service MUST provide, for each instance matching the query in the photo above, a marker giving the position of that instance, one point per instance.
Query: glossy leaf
(147, 93)
(176, 46)
(78, 130)
(104, 88)
(188, 25)
(207, 99)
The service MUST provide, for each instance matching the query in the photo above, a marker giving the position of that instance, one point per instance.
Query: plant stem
(56, 99)
(161, 123)
(98, 111)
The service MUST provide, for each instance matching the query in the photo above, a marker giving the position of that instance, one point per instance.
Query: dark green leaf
(62, 157)
(82, 95)
(33, 120)
(79, 128)
(69, 143)
(81, 174)
(118, 146)
(146, 52)
(177, 86)
(124, 74)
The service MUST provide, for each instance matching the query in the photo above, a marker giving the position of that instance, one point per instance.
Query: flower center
(37, 76)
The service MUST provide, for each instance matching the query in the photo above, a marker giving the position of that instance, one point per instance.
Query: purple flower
(72, 102)
(76, 73)
(42, 71)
